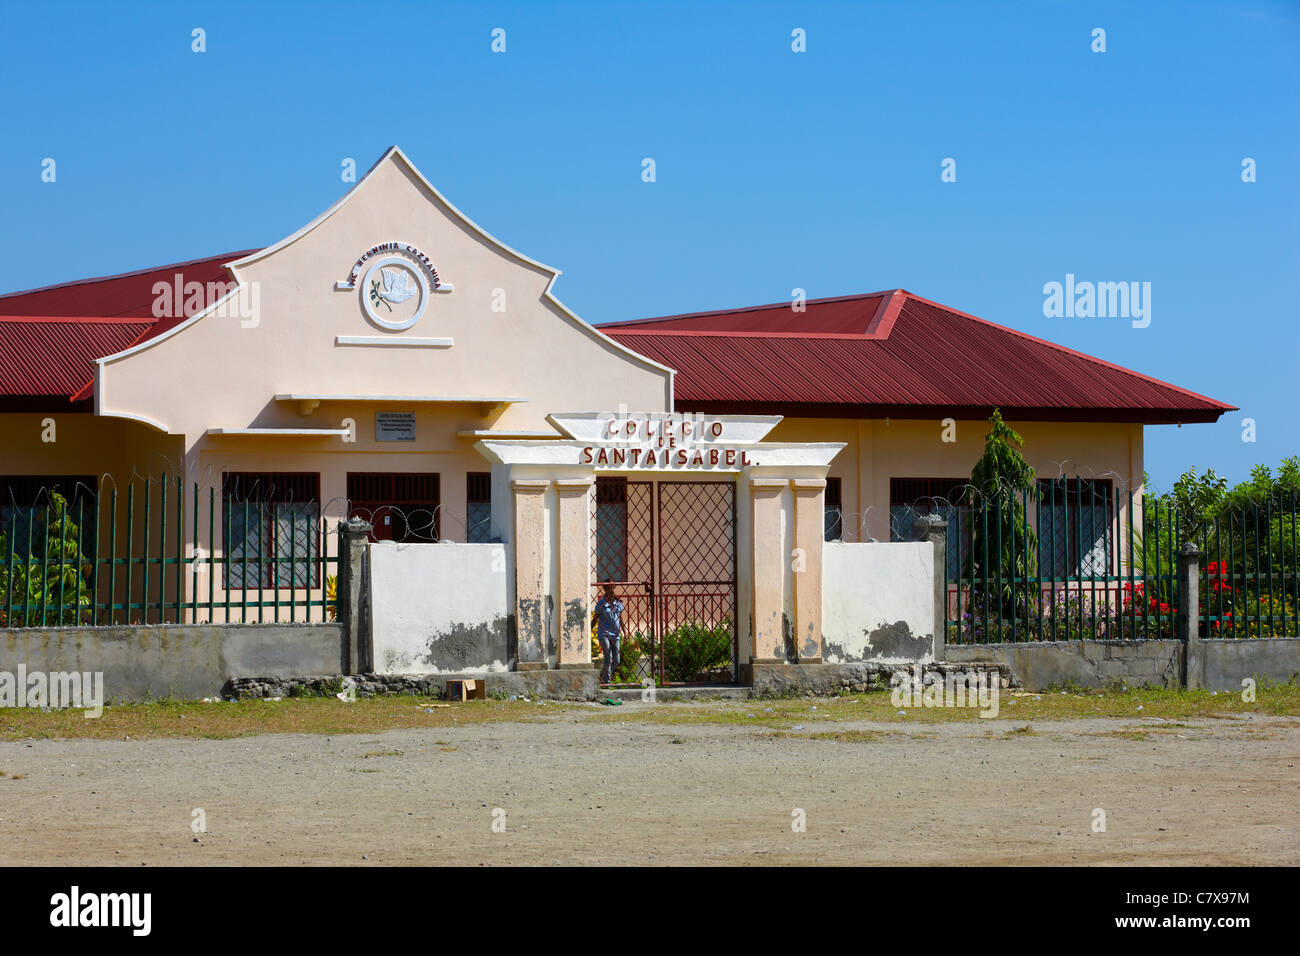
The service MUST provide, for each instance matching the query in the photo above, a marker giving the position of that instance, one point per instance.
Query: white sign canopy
(659, 441)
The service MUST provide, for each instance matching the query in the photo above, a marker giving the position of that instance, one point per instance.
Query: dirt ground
(583, 787)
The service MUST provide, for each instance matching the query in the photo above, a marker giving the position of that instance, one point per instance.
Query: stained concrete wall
(878, 602)
(1228, 661)
(438, 608)
(187, 661)
(1039, 665)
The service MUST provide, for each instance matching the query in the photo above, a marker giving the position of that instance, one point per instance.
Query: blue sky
(775, 170)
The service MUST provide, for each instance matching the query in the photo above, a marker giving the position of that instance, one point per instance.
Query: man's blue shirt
(607, 618)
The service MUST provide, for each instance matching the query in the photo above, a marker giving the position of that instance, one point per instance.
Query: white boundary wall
(878, 601)
(438, 608)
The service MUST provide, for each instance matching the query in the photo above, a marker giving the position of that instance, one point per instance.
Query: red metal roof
(882, 353)
(894, 354)
(127, 294)
(47, 356)
(50, 337)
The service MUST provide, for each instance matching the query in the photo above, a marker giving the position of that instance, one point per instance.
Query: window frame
(283, 485)
(620, 556)
(84, 488)
(1073, 505)
(833, 510)
(478, 491)
(399, 490)
(923, 489)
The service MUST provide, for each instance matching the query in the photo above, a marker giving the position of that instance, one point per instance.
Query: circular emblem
(394, 293)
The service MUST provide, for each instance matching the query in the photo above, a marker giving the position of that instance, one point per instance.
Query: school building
(393, 361)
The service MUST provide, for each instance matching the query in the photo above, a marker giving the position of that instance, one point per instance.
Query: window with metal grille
(834, 510)
(478, 507)
(611, 529)
(400, 506)
(271, 525)
(909, 498)
(1075, 527)
(26, 499)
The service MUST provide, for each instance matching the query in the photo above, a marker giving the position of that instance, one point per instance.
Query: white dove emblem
(398, 286)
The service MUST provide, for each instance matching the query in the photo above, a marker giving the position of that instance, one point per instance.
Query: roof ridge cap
(747, 308)
(743, 334)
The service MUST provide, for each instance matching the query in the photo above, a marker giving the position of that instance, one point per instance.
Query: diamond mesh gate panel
(696, 602)
(672, 562)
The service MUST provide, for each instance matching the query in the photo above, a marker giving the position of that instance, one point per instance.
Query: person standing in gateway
(609, 628)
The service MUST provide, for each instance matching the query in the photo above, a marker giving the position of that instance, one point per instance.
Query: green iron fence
(1249, 583)
(1068, 559)
(163, 553)
(1074, 559)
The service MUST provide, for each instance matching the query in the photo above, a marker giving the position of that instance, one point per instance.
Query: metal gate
(669, 549)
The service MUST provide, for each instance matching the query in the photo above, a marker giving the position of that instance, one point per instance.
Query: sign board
(659, 441)
(394, 426)
(659, 428)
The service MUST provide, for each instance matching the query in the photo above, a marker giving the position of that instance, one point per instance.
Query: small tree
(1003, 547)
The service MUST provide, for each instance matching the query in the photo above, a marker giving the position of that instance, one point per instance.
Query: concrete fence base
(1220, 664)
(1043, 664)
(567, 684)
(185, 661)
(787, 680)
(1226, 662)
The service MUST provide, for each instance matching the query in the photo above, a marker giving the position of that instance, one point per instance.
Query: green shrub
(692, 649)
(689, 651)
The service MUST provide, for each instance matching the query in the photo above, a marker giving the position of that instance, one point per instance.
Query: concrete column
(809, 536)
(352, 596)
(529, 539)
(574, 648)
(934, 529)
(1189, 625)
(768, 563)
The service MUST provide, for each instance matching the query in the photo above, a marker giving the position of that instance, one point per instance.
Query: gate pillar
(574, 647)
(769, 622)
(809, 535)
(532, 617)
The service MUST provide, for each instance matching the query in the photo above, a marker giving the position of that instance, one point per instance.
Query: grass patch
(223, 721)
(327, 715)
(876, 707)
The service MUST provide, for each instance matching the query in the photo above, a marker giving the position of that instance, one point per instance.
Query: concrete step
(691, 692)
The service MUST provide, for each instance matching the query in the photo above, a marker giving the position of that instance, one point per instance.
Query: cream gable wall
(212, 372)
